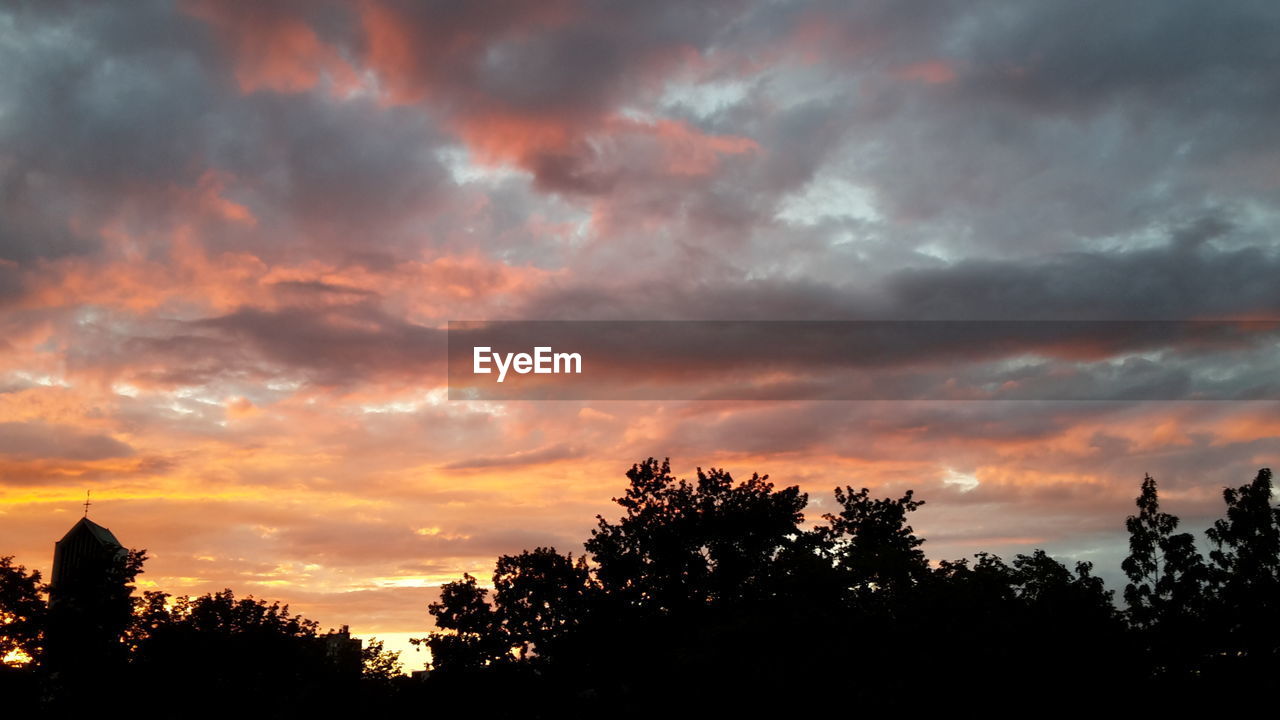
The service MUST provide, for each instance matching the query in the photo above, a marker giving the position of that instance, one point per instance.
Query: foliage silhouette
(712, 596)
(1246, 572)
(476, 638)
(684, 546)
(723, 581)
(541, 597)
(239, 651)
(22, 613)
(1168, 590)
(1167, 575)
(873, 544)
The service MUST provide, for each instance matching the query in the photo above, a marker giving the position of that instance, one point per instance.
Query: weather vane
(86, 503)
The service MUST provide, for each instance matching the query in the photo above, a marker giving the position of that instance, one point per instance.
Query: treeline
(711, 595)
(95, 645)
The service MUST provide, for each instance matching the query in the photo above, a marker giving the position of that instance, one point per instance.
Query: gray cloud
(43, 440)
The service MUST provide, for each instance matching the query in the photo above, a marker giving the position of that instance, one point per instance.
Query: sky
(232, 236)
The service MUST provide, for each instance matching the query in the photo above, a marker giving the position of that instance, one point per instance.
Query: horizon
(416, 658)
(233, 239)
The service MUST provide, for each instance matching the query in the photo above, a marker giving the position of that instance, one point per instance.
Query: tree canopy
(22, 613)
(710, 583)
(724, 579)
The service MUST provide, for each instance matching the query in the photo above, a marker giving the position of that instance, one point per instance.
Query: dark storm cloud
(93, 101)
(170, 103)
(124, 113)
(564, 57)
(166, 105)
(533, 82)
(988, 129)
(1186, 277)
(330, 346)
(339, 346)
(347, 175)
(42, 440)
(10, 280)
(105, 96)
(1194, 58)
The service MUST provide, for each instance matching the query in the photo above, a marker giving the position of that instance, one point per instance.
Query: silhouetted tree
(691, 577)
(152, 612)
(683, 546)
(990, 580)
(873, 544)
(475, 637)
(379, 664)
(22, 617)
(1246, 559)
(219, 626)
(1148, 530)
(701, 578)
(977, 602)
(22, 612)
(1047, 586)
(541, 597)
(239, 652)
(1166, 593)
(718, 582)
(1167, 575)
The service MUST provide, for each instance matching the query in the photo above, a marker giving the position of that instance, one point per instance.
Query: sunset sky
(232, 236)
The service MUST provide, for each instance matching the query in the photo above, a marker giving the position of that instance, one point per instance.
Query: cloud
(559, 451)
(41, 440)
(231, 236)
(1183, 279)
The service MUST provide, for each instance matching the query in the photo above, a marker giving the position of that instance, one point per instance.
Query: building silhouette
(83, 558)
(342, 649)
(89, 602)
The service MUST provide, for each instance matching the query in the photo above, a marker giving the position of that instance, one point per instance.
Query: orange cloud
(417, 61)
(929, 72)
(212, 200)
(240, 407)
(500, 138)
(686, 150)
(274, 50)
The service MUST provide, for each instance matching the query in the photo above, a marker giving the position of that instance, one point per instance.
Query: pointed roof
(96, 531)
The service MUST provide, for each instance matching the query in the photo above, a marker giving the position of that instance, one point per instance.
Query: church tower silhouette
(83, 558)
